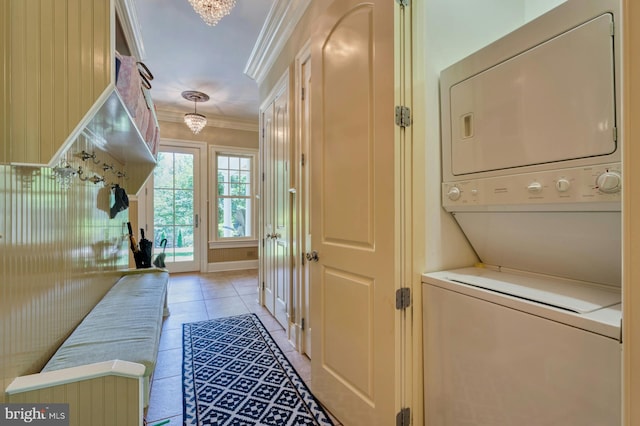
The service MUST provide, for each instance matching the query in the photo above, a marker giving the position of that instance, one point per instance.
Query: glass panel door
(175, 201)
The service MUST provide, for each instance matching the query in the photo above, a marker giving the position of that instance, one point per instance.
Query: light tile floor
(198, 297)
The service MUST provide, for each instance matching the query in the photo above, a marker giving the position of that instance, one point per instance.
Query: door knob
(313, 256)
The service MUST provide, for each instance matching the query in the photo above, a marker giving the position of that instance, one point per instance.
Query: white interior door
(277, 265)
(176, 207)
(268, 257)
(355, 367)
(282, 208)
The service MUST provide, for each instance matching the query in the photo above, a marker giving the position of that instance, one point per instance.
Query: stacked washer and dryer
(531, 162)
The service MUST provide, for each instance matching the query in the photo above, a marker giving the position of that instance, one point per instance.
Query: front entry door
(355, 365)
(175, 212)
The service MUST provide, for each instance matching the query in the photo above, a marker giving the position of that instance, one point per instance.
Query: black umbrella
(135, 249)
(146, 250)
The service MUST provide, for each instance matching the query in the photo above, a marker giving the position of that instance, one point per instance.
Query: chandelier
(195, 121)
(212, 11)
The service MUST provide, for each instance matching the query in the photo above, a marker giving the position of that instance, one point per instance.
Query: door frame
(201, 208)
(409, 63)
(630, 209)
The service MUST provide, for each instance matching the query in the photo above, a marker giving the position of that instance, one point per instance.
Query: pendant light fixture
(212, 11)
(195, 121)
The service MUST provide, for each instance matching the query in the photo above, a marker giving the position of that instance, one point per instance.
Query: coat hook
(85, 156)
(106, 167)
(80, 173)
(95, 179)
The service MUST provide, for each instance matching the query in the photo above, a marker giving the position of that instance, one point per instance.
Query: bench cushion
(124, 325)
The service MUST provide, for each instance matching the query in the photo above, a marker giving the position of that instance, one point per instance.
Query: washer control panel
(592, 184)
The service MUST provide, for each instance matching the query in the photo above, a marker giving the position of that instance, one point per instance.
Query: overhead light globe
(212, 11)
(196, 122)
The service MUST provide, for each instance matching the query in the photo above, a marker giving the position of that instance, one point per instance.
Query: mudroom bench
(107, 361)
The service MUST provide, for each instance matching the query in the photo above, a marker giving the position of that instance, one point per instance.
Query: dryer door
(553, 102)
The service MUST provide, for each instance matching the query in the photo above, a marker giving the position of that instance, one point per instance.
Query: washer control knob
(534, 187)
(454, 193)
(609, 182)
(562, 185)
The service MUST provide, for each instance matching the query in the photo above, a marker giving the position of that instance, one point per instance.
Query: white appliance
(532, 174)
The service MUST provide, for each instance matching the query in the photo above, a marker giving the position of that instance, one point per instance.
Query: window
(233, 213)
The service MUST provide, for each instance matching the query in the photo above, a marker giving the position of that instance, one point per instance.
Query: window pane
(184, 207)
(232, 217)
(223, 189)
(234, 163)
(234, 190)
(184, 171)
(184, 244)
(163, 173)
(161, 233)
(245, 190)
(163, 207)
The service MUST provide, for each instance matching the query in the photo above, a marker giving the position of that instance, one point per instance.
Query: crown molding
(128, 16)
(280, 23)
(212, 121)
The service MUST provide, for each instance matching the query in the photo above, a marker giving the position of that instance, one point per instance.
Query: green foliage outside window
(173, 201)
(234, 196)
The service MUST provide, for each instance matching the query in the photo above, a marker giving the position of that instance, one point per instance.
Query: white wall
(535, 8)
(452, 30)
(457, 28)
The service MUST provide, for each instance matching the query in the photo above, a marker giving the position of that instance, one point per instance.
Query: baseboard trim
(232, 266)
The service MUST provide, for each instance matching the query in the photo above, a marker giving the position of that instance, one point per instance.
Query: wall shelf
(113, 130)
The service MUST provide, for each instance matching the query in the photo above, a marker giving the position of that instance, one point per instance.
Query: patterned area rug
(235, 374)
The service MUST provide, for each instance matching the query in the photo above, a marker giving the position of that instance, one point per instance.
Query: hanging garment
(121, 201)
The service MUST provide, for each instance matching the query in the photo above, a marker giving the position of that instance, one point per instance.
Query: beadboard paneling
(59, 254)
(60, 63)
(100, 401)
(4, 85)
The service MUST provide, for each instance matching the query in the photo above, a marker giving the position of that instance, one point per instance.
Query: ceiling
(184, 53)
